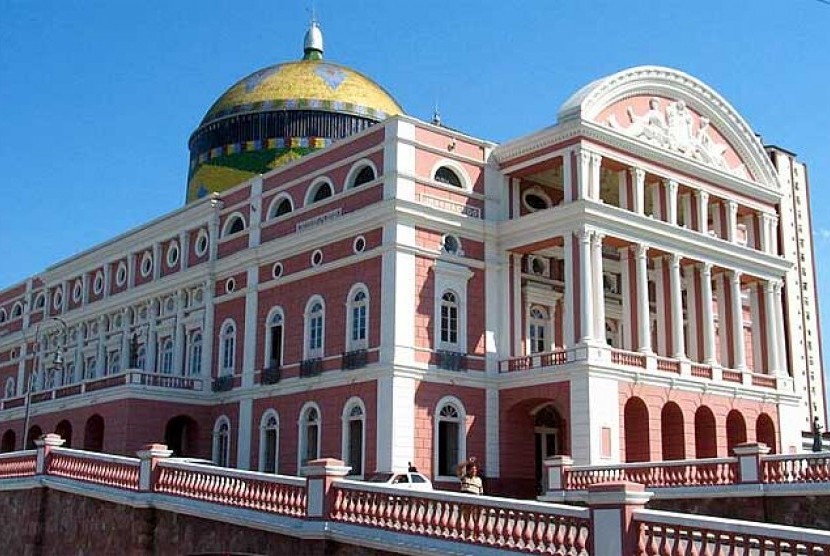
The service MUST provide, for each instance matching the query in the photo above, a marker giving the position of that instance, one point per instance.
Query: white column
(594, 188)
(156, 260)
(250, 334)
(130, 270)
(184, 249)
(702, 211)
(731, 221)
(625, 286)
(780, 334)
(707, 316)
(774, 235)
(671, 193)
(643, 317)
(518, 302)
(660, 307)
(567, 176)
(179, 334)
(678, 337)
(638, 176)
(770, 313)
(568, 317)
(622, 190)
(583, 178)
(758, 363)
(686, 210)
(737, 321)
(723, 310)
(692, 316)
(150, 346)
(101, 356)
(598, 288)
(656, 206)
(107, 279)
(586, 301)
(125, 339)
(208, 336)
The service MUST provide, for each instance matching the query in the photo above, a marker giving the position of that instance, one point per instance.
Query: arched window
(269, 442)
(358, 319)
(17, 310)
(222, 442)
(309, 434)
(354, 431)
(274, 335)
(233, 225)
(314, 329)
(2, 316)
(114, 363)
(69, 373)
(450, 434)
(449, 319)
(228, 343)
(365, 174)
(539, 330)
(318, 191)
(445, 175)
(89, 367)
(194, 356)
(166, 359)
(9, 391)
(280, 206)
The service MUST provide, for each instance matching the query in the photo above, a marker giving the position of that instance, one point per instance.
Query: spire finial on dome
(313, 42)
(436, 115)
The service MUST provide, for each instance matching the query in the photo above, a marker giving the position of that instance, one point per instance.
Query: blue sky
(99, 98)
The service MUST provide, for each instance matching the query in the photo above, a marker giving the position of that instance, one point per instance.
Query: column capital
(595, 156)
(674, 259)
(641, 250)
(705, 267)
(670, 183)
(735, 276)
(732, 205)
(597, 236)
(584, 233)
(637, 173)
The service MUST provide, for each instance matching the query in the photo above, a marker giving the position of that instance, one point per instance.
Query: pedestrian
(817, 447)
(471, 482)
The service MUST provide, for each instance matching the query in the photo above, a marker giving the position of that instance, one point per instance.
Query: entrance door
(547, 440)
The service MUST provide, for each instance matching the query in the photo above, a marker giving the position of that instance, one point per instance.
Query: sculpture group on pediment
(673, 128)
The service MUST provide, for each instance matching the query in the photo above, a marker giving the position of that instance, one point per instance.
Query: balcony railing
(127, 378)
(451, 360)
(311, 367)
(222, 383)
(355, 359)
(271, 375)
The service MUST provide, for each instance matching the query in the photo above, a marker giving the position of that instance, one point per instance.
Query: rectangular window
(356, 447)
(447, 448)
(276, 347)
(270, 455)
(449, 324)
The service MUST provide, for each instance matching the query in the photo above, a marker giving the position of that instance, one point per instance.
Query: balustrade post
(150, 456)
(557, 469)
(44, 445)
(320, 475)
(749, 461)
(612, 506)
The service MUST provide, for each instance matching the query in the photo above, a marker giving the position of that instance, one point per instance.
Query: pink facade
(615, 288)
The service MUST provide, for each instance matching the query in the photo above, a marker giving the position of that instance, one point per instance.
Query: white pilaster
(250, 334)
(702, 211)
(396, 423)
(671, 192)
(625, 285)
(771, 328)
(598, 288)
(643, 317)
(595, 185)
(708, 316)
(568, 318)
(398, 286)
(243, 444)
(399, 161)
(638, 176)
(491, 440)
(731, 221)
(586, 299)
(678, 339)
(208, 335)
(737, 321)
(660, 306)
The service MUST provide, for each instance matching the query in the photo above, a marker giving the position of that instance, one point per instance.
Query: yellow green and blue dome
(280, 113)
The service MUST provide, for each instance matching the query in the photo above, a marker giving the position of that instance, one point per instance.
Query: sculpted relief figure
(674, 128)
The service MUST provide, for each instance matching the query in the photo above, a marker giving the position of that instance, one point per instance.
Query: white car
(411, 480)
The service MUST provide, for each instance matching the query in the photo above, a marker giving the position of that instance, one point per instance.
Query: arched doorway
(94, 434)
(765, 431)
(673, 432)
(706, 445)
(9, 442)
(35, 432)
(64, 430)
(180, 435)
(547, 433)
(635, 424)
(735, 430)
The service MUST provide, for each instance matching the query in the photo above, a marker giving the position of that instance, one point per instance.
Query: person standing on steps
(471, 482)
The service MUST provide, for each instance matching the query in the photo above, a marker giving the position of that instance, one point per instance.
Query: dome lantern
(313, 42)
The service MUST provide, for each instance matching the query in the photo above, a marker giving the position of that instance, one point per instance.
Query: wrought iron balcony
(452, 360)
(311, 367)
(355, 359)
(223, 383)
(271, 375)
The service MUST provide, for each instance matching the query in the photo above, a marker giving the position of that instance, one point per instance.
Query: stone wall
(799, 511)
(55, 523)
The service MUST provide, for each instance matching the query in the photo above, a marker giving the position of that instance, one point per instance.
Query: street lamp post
(57, 363)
